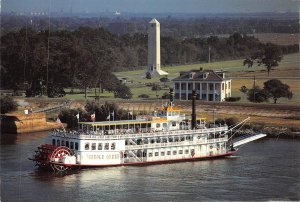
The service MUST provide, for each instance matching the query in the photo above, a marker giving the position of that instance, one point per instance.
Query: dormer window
(205, 75)
(221, 74)
(191, 75)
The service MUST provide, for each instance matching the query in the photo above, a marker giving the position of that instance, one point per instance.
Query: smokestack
(171, 95)
(194, 94)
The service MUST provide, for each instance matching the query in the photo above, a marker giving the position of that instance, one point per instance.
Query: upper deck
(100, 136)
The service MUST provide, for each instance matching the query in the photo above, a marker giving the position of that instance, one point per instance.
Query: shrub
(7, 104)
(148, 75)
(156, 87)
(231, 121)
(232, 99)
(165, 96)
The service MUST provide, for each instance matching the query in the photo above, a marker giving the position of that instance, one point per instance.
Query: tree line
(171, 26)
(86, 57)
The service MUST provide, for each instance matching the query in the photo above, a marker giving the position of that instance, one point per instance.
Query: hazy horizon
(151, 6)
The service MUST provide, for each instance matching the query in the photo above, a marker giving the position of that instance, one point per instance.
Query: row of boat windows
(164, 125)
(87, 146)
(100, 146)
(162, 140)
(150, 154)
(70, 144)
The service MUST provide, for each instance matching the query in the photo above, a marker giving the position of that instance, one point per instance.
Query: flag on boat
(58, 121)
(93, 116)
(108, 117)
(113, 115)
(77, 116)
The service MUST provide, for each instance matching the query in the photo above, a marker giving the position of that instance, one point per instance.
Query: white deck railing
(170, 144)
(98, 136)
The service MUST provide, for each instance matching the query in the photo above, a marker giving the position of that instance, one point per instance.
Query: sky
(151, 6)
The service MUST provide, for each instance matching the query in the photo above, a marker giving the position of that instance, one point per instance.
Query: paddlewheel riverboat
(162, 137)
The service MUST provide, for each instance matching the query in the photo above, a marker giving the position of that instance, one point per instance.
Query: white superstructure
(164, 136)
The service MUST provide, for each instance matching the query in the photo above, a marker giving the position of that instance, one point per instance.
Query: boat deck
(120, 136)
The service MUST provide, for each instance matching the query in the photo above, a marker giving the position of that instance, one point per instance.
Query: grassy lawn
(288, 72)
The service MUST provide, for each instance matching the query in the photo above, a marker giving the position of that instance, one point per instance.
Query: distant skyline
(151, 6)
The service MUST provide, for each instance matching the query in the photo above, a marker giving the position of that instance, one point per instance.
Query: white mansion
(210, 85)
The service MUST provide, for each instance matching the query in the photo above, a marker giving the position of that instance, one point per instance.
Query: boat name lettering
(108, 156)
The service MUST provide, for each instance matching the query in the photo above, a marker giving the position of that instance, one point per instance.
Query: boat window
(62, 143)
(186, 151)
(165, 125)
(168, 152)
(113, 146)
(72, 145)
(53, 142)
(162, 153)
(173, 123)
(156, 153)
(87, 146)
(58, 142)
(150, 155)
(180, 152)
(158, 125)
(93, 146)
(181, 138)
(99, 146)
(174, 152)
(67, 143)
(76, 145)
(106, 147)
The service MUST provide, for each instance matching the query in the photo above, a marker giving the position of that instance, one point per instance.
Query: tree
(249, 62)
(7, 104)
(270, 57)
(257, 95)
(244, 89)
(276, 89)
(123, 92)
(68, 116)
(103, 111)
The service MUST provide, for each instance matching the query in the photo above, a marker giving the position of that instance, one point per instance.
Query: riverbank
(276, 120)
(26, 123)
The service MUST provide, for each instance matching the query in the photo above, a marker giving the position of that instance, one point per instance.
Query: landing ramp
(247, 138)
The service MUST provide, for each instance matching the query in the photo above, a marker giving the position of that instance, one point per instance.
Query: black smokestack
(171, 95)
(194, 94)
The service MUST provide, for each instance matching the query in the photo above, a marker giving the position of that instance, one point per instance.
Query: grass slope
(288, 72)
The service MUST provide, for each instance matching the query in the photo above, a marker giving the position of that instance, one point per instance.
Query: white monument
(154, 49)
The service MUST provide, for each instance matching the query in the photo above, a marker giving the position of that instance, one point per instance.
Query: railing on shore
(98, 136)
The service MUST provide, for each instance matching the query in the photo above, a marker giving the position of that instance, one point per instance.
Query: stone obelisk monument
(154, 49)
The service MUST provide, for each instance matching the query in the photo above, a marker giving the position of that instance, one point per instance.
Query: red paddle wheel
(49, 156)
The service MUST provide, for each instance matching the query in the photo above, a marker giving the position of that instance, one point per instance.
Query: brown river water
(268, 169)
